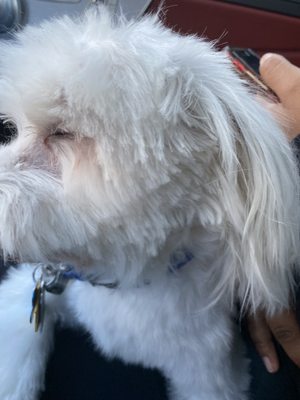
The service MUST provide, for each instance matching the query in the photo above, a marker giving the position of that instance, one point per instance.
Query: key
(48, 278)
(38, 305)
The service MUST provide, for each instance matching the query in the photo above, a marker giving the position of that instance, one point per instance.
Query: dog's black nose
(8, 131)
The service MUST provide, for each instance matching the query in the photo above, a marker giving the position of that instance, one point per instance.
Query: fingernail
(266, 57)
(270, 368)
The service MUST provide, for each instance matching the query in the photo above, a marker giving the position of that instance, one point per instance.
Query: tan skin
(284, 79)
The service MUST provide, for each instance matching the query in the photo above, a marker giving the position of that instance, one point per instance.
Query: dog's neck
(55, 277)
(180, 249)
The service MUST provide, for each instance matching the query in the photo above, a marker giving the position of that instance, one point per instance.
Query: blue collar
(55, 277)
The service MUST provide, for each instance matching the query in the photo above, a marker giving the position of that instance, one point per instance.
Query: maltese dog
(146, 192)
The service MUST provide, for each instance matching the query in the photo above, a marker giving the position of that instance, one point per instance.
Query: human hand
(284, 328)
(284, 79)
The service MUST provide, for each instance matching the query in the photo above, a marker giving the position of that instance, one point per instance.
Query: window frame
(287, 7)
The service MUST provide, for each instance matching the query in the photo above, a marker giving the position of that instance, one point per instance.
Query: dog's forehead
(115, 73)
(78, 65)
(61, 49)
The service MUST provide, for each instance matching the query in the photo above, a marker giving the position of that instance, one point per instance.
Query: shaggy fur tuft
(135, 143)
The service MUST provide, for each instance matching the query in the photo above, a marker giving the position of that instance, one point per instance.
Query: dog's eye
(8, 131)
(59, 133)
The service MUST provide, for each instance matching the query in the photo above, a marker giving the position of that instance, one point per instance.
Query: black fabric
(76, 372)
(283, 385)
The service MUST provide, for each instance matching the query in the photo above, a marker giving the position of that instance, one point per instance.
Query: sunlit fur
(135, 143)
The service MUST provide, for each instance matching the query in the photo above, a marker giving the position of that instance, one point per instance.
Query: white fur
(165, 149)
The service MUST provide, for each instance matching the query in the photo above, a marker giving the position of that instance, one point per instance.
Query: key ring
(34, 273)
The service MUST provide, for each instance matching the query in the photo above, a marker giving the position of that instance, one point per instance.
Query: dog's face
(127, 134)
(105, 146)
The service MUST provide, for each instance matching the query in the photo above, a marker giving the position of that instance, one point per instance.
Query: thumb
(279, 74)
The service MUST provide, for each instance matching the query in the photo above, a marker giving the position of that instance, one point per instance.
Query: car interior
(75, 371)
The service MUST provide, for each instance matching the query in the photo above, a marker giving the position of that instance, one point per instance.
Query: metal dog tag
(55, 278)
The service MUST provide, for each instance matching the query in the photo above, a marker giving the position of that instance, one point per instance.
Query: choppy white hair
(175, 142)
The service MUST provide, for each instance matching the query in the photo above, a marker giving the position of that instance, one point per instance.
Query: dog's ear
(259, 188)
(255, 174)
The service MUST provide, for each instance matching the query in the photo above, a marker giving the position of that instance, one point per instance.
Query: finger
(262, 339)
(286, 331)
(280, 75)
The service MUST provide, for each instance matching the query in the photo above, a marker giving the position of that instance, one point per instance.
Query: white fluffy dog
(144, 164)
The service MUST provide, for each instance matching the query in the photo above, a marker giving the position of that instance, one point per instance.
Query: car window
(288, 7)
